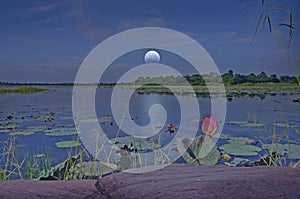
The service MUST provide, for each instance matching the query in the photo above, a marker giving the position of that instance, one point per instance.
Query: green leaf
(193, 150)
(36, 128)
(240, 140)
(105, 119)
(240, 149)
(67, 144)
(9, 126)
(61, 132)
(22, 133)
(139, 144)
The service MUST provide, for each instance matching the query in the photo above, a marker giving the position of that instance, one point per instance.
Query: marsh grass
(11, 166)
(21, 90)
(273, 138)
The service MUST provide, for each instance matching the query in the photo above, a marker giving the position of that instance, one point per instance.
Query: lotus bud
(209, 125)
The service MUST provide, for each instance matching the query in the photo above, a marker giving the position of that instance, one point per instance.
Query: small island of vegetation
(21, 89)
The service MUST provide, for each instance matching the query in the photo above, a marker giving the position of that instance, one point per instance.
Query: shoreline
(174, 181)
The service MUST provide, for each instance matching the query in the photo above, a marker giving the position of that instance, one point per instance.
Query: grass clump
(21, 90)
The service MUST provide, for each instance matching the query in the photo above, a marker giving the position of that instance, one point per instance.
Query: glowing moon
(152, 57)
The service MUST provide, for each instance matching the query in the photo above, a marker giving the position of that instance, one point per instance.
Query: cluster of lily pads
(201, 150)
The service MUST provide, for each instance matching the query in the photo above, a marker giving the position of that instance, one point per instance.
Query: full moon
(152, 57)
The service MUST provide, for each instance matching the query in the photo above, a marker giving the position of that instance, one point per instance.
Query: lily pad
(64, 118)
(9, 126)
(67, 144)
(22, 133)
(138, 144)
(61, 132)
(105, 119)
(224, 136)
(36, 128)
(292, 150)
(240, 149)
(240, 140)
(193, 152)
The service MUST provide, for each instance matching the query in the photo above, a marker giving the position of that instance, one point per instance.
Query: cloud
(43, 21)
(135, 23)
(90, 21)
(42, 8)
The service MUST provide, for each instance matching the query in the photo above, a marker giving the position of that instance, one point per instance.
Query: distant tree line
(229, 78)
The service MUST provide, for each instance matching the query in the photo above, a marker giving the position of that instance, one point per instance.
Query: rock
(187, 181)
(174, 181)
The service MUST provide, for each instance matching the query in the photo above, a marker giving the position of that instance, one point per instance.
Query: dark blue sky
(46, 41)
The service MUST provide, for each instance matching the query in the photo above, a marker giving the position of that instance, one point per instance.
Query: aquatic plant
(240, 149)
(21, 90)
(193, 151)
(209, 125)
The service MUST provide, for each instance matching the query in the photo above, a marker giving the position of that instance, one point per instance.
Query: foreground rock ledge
(175, 181)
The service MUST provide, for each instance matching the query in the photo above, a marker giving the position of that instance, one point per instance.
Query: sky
(46, 41)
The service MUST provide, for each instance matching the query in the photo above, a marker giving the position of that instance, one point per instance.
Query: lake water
(51, 111)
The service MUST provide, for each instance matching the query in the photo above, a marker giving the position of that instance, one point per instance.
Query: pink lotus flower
(209, 125)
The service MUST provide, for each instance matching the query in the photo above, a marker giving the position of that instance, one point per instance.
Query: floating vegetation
(36, 128)
(240, 149)
(21, 90)
(45, 118)
(61, 131)
(240, 140)
(135, 144)
(192, 151)
(64, 118)
(67, 144)
(9, 126)
(22, 133)
(105, 119)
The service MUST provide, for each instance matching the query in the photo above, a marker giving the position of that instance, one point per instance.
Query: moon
(152, 57)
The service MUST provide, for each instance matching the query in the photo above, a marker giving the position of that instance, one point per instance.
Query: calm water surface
(29, 109)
